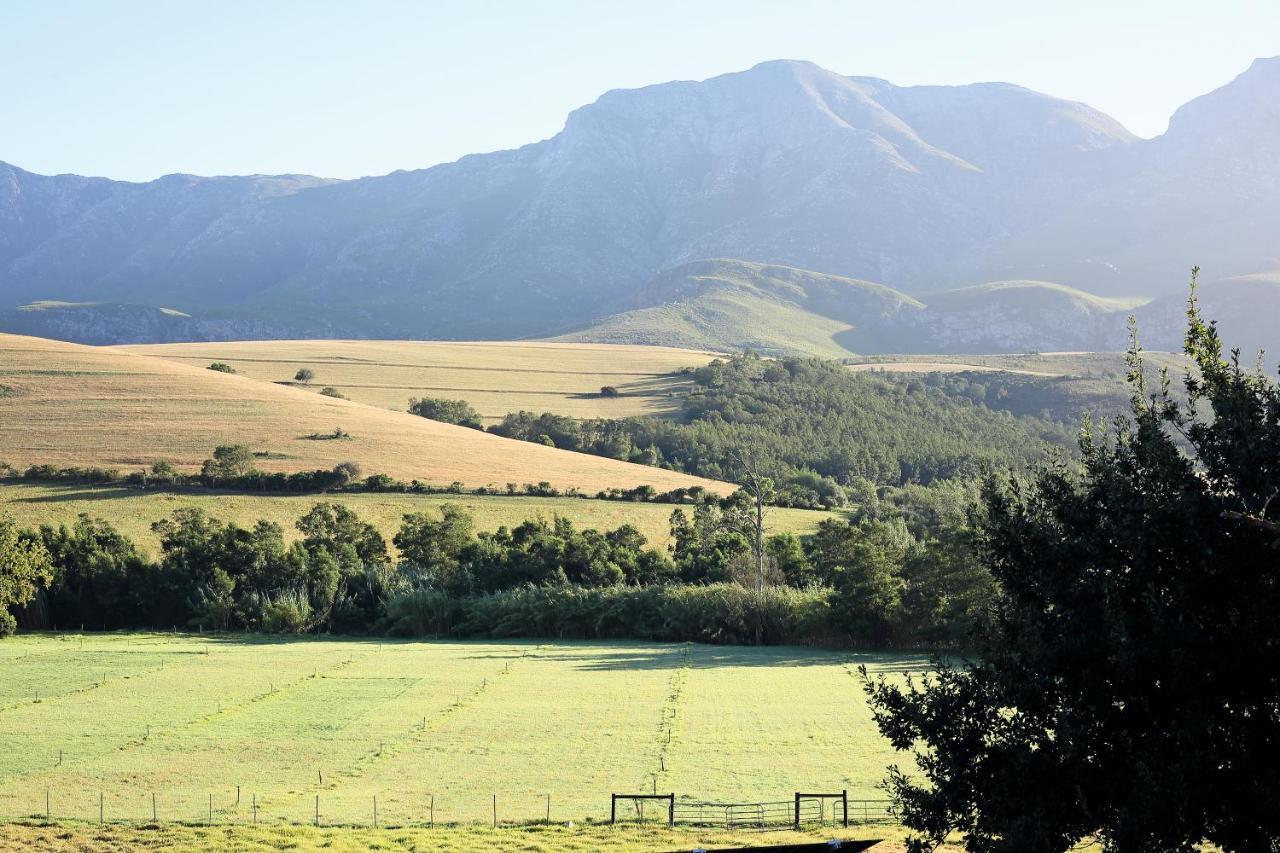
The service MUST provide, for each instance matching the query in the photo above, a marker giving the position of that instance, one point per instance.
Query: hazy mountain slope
(77, 239)
(1015, 316)
(1247, 309)
(784, 163)
(731, 305)
(1205, 193)
(921, 188)
(120, 323)
(735, 305)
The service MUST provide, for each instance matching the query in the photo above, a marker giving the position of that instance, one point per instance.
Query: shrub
(713, 613)
(222, 367)
(288, 613)
(330, 391)
(164, 472)
(347, 473)
(422, 613)
(304, 375)
(458, 412)
(228, 460)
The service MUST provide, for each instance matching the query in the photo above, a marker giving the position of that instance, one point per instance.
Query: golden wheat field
(68, 404)
(1072, 364)
(132, 511)
(495, 377)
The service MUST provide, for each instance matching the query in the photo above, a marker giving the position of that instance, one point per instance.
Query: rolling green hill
(733, 305)
(1027, 295)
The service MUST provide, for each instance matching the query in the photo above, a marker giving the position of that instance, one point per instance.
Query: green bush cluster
(901, 572)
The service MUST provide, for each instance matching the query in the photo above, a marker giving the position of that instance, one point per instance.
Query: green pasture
(214, 726)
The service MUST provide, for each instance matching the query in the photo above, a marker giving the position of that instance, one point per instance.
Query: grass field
(68, 404)
(495, 377)
(190, 718)
(1095, 365)
(132, 511)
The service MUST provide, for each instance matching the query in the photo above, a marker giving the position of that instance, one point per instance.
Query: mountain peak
(787, 165)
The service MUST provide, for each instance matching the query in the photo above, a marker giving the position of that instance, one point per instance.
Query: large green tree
(1128, 689)
(25, 567)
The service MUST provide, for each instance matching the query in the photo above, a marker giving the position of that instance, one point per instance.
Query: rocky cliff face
(919, 188)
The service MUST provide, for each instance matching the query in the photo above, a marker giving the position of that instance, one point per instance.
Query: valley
(449, 428)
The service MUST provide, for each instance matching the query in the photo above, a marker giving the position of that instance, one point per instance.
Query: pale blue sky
(134, 89)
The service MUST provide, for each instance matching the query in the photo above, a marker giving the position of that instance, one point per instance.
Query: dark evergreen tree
(1129, 688)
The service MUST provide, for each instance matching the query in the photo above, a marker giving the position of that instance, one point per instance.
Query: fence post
(211, 807)
(46, 804)
(613, 809)
(317, 809)
(433, 812)
(255, 808)
(153, 807)
(495, 809)
(797, 814)
(671, 809)
(375, 811)
(100, 809)
(548, 808)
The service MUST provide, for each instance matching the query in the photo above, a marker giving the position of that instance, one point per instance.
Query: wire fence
(240, 805)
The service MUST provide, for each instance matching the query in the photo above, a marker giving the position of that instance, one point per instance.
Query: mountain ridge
(731, 305)
(923, 188)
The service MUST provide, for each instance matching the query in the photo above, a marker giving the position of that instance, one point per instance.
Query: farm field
(67, 404)
(189, 718)
(132, 511)
(1075, 364)
(494, 377)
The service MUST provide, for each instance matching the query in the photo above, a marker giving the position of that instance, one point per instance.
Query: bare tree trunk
(759, 544)
(759, 488)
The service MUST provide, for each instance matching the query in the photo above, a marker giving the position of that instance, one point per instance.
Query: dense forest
(821, 431)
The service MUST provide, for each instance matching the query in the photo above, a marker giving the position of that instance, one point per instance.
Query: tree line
(895, 573)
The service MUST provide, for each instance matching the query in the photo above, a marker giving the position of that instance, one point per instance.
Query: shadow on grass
(587, 655)
(63, 494)
(798, 848)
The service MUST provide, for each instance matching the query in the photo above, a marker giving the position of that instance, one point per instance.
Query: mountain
(1016, 316)
(728, 305)
(1246, 309)
(1206, 193)
(921, 188)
